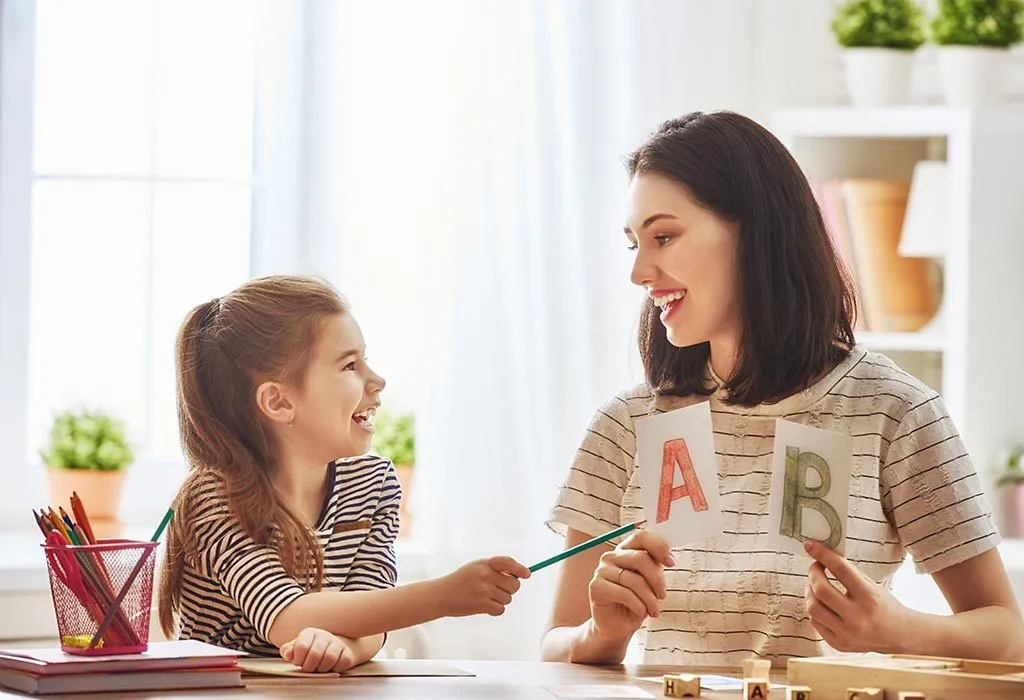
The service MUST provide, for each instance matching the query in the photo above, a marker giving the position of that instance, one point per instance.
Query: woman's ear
(275, 403)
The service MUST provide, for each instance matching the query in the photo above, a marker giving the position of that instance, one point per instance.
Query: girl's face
(334, 410)
(686, 261)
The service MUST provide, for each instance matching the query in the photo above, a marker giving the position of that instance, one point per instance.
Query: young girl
(282, 540)
(749, 308)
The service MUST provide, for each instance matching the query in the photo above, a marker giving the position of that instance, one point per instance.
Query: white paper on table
(801, 504)
(679, 475)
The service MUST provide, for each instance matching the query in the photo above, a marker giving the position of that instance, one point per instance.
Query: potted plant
(1010, 474)
(88, 454)
(394, 438)
(974, 39)
(879, 38)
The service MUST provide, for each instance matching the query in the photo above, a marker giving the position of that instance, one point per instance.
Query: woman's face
(686, 261)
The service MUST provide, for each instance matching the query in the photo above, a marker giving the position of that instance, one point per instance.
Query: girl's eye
(662, 239)
(350, 367)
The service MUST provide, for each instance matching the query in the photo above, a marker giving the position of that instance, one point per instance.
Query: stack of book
(164, 666)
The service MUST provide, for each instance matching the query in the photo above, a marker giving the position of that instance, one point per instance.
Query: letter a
(796, 496)
(674, 453)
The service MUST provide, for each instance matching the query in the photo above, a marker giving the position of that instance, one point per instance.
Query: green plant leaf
(992, 23)
(394, 437)
(81, 438)
(892, 24)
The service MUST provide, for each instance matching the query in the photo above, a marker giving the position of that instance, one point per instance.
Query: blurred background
(455, 168)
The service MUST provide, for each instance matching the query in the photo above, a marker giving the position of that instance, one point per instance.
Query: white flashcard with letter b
(679, 475)
(810, 487)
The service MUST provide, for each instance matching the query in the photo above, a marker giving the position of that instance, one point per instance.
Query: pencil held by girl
(284, 536)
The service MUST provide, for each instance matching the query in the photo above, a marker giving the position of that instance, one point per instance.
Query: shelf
(888, 122)
(918, 342)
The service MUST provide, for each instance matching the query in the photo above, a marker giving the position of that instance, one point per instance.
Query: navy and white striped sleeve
(250, 573)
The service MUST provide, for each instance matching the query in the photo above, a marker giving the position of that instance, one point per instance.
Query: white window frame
(21, 486)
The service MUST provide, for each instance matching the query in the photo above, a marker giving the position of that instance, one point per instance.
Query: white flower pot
(878, 77)
(973, 76)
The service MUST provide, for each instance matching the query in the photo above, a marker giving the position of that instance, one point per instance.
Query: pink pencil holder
(87, 580)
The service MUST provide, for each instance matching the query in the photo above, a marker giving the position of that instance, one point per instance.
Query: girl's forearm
(364, 648)
(991, 632)
(581, 645)
(356, 614)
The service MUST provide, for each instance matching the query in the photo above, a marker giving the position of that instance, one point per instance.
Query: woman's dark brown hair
(796, 299)
(265, 330)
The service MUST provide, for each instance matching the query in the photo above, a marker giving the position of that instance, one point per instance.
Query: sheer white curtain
(455, 167)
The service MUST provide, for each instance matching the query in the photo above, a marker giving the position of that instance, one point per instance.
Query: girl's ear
(275, 403)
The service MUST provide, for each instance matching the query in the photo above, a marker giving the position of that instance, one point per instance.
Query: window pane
(88, 312)
(205, 70)
(94, 86)
(200, 251)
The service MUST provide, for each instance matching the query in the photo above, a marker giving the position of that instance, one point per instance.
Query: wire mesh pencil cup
(104, 588)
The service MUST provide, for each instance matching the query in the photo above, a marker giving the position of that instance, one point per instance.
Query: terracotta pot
(99, 490)
(404, 517)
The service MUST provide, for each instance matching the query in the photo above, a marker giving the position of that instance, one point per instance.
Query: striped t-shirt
(913, 489)
(234, 592)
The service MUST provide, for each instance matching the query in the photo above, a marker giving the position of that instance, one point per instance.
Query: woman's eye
(350, 367)
(662, 239)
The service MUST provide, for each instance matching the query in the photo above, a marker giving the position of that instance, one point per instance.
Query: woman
(750, 308)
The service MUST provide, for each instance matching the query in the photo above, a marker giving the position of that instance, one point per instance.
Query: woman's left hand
(865, 618)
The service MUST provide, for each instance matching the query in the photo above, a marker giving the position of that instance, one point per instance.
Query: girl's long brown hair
(265, 330)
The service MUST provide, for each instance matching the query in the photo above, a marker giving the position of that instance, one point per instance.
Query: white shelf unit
(976, 359)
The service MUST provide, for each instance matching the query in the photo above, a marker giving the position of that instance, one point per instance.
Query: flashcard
(810, 487)
(679, 475)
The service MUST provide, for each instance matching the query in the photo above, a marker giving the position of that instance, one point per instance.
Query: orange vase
(100, 491)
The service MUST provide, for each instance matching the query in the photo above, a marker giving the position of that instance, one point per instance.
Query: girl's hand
(318, 651)
(628, 585)
(482, 586)
(865, 618)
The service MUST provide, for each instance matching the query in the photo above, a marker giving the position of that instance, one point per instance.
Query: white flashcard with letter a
(679, 475)
(810, 495)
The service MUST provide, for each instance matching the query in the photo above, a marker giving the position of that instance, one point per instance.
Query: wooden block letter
(675, 453)
(671, 685)
(755, 690)
(757, 669)
(690, 685)
(865, 694)
(798, 692)
(797, 495)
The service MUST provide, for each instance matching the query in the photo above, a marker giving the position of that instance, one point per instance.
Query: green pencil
(584, 546)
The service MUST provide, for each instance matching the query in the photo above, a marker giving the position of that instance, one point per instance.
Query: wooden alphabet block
(757, 669)
(865, 694)
(680, 685)
(911, 695)
(755, 689)
(798, 692)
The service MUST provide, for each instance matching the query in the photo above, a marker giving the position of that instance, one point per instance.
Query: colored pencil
(83, 519)
(115, 607)
(584, 546)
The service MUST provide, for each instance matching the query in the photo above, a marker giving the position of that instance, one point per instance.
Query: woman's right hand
(629, 585)
(482, 586)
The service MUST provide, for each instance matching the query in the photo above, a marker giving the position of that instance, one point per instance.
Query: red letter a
(675, 452)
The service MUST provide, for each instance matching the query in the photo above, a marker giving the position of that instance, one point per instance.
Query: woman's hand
(318, 651)
(628, 585)
(865, 618)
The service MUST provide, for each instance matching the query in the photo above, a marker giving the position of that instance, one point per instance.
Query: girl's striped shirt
(234, 592)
